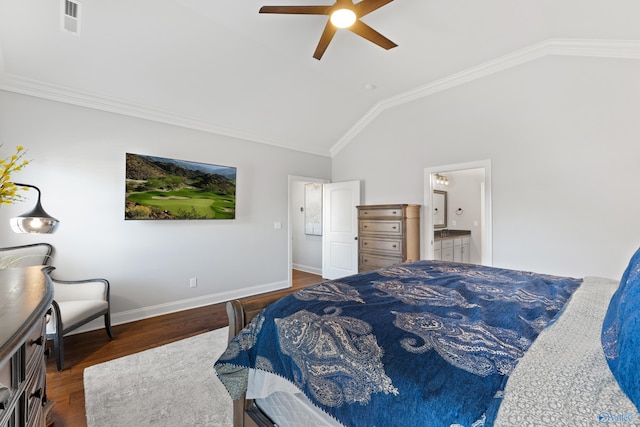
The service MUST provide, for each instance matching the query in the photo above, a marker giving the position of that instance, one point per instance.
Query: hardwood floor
(66, 388)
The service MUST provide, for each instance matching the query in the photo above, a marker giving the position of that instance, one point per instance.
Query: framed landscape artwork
(162, 188)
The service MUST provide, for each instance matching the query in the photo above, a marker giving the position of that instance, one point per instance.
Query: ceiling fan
(342, 14)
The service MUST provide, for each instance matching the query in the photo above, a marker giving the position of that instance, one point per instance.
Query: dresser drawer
(373, 262)
(388, 228)
(34, 394)
(388, 246)
(380, 213)
(34, 344)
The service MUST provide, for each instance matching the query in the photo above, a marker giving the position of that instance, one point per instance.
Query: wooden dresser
(387, 235)
(25, 297)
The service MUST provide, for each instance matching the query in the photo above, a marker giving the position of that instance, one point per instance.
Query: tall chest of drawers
(388, 235)
(25, 296)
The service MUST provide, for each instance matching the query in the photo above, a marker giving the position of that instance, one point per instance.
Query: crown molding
(67, 95)
(629, 49)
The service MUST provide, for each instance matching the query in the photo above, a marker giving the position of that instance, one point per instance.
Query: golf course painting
(161, 188)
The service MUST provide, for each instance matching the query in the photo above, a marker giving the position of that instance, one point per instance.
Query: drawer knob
(37, 394)
(394, 246)
(394, 227)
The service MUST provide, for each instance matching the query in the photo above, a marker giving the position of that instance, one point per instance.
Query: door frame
(486, 232)
(291, 180)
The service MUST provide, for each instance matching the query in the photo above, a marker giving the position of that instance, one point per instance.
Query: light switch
(277, 225)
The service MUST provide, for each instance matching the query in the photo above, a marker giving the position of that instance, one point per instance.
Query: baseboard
(307, 269)
(185, 304)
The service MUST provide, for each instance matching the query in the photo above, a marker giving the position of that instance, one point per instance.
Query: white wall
(78, 161)
(562, 134)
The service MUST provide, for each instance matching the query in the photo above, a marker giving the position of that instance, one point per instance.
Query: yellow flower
(8, 165)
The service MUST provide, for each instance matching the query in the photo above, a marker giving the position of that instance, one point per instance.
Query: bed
(439, 344)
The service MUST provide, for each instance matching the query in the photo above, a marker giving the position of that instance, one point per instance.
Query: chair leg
(58, 351)
(107, 324)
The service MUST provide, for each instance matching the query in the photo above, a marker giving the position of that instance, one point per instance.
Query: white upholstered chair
(75, 303)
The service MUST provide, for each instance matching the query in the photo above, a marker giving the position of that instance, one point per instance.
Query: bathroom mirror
(439, 209)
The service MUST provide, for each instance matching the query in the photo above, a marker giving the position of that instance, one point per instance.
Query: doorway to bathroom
(467, 187)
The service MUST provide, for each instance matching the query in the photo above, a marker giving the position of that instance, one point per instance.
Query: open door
(340, 229)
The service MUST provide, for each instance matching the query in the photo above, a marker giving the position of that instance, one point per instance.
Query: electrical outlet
(193, 282)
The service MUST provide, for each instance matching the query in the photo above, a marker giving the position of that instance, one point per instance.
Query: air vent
(71, 16)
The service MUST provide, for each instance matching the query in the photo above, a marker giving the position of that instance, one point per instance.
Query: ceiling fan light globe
(343, 18)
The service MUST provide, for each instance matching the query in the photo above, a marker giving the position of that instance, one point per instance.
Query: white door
(340, 229)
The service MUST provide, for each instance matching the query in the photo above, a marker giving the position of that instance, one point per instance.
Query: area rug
(171, 385)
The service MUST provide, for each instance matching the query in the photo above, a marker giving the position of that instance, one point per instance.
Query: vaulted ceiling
(219, 66)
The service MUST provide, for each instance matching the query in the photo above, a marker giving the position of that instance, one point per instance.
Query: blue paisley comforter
(426, 343)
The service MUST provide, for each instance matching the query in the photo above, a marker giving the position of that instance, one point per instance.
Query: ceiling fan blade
(365, 31)
(296, 10)
(325, 39)
(368, 6)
